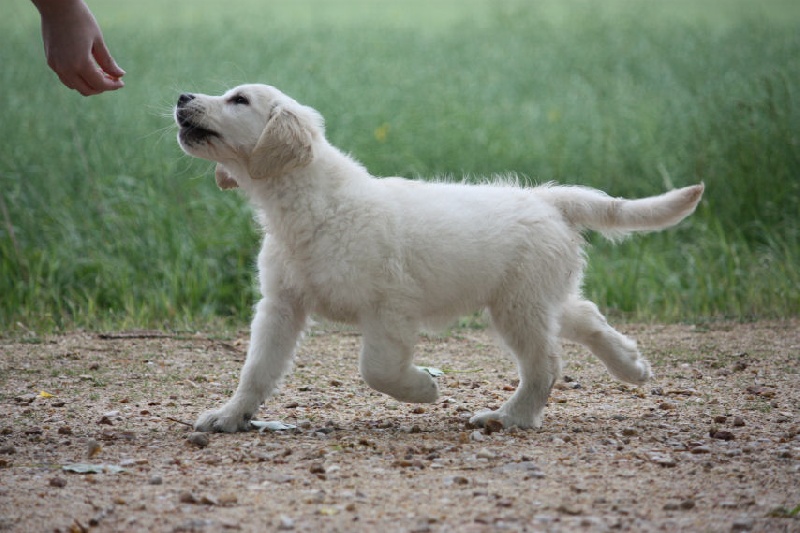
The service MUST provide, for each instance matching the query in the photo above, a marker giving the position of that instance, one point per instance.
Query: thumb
(105, 61)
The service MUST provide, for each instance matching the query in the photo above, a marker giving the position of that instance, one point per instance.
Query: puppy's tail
(587, 208)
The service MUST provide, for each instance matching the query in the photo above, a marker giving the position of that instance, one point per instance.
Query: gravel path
(711, 444)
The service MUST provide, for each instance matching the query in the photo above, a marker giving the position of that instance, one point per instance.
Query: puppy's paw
(508, 420)
(223, 420)
(645, 372)
(425, 390)
(635, 372)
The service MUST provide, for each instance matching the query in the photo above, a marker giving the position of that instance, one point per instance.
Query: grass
(105, 224)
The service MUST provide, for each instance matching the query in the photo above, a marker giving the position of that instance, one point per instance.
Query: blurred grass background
(106, 224)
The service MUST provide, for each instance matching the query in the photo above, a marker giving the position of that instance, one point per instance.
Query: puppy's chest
(333, 284)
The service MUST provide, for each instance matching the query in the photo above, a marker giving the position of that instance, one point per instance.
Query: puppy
(392, 256)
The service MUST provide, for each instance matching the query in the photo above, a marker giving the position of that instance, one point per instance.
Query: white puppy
(392, 256)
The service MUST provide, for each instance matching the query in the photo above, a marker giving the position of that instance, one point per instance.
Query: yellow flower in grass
(381, 132)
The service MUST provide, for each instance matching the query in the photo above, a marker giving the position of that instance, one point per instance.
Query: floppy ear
(224, 179)
(284, 145)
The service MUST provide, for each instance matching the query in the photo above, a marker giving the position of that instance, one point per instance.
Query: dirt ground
(712, 444)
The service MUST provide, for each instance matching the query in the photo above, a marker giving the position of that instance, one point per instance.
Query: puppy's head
(255, 128)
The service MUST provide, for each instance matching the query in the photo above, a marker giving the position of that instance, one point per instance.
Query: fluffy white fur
(392, 256)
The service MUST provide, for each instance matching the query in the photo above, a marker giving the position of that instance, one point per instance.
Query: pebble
(155, 480)
(701, 449)
(228, 498)
(721, 434)
(570, 509)
(742, 524)
(662, 459)
(685, 505)
(8, 449)
(198, 439)
(477, 436)
(285, 524)
(738, 421)
(187, 497)
(493, 426)
(58, 482)
(93, 448)
(484, 453)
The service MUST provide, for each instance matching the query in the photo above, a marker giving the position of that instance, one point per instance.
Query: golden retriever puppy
(393, 256)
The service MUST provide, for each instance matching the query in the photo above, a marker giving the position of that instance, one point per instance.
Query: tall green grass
(106, 224)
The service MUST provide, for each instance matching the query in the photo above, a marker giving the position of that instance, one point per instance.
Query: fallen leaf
(87, 468)
(273, 425)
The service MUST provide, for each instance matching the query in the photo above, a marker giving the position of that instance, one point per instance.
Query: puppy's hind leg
(531, 334)
(583, 323)
(385, 361)
(274, 334)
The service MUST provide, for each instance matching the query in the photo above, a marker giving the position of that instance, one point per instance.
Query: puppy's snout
(184, 99)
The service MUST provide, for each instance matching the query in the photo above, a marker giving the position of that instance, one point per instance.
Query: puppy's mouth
(190, 131)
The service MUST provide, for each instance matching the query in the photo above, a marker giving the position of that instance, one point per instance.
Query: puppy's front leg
(275, 330)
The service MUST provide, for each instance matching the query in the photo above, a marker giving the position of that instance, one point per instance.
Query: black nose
(184, 99)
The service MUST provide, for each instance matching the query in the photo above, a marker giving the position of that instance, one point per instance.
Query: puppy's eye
(239, 100)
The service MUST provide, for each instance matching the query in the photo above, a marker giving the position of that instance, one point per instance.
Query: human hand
(75, 48)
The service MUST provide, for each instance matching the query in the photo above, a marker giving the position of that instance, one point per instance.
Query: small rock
(784, 453)
(700, 449)
(493, 426)
(738, 421)
(8, 449)
(667, 406)
(569, 509)
(198, 439)
(687, 504)
(285, 524)
(720, 419)
(58, 482)
(25, 398)
(228, 498)
(662, 459)
(477, 436)
(208, 499)
(93, 448)
(483, 453)
(721, 434)
(155, 480)
(742, 524)
(764, 392)
(105, 421)
(65, 430)
(187, 497)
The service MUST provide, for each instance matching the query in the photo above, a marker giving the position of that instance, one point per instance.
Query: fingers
(105, 61)
(89, 80)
